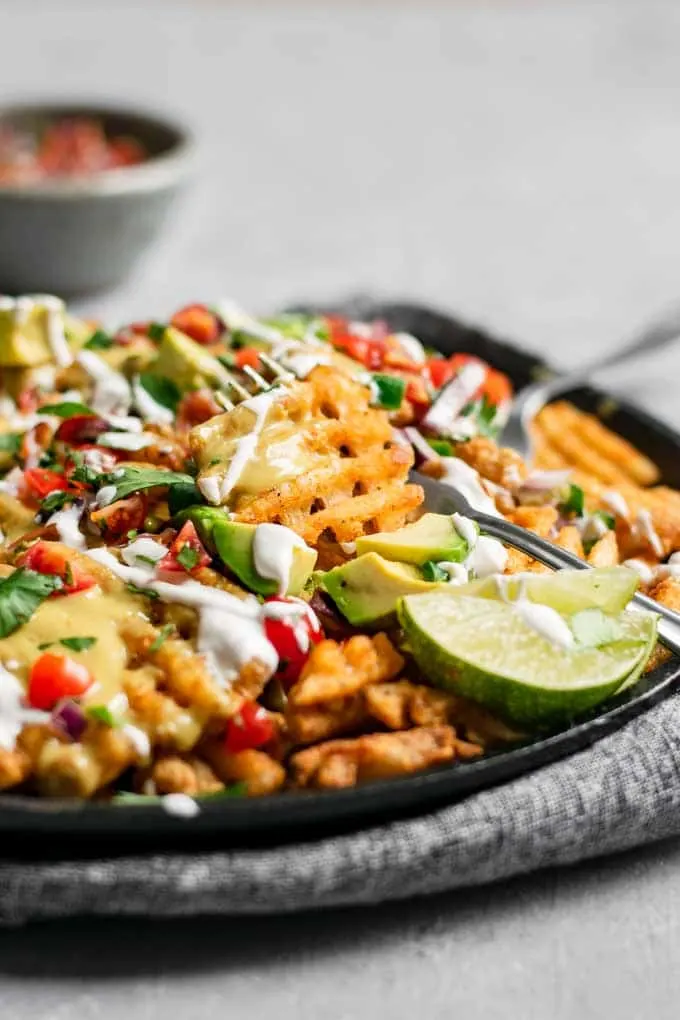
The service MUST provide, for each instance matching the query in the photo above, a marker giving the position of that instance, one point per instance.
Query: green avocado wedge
(366, 590)
(432, 537)
(486, 651)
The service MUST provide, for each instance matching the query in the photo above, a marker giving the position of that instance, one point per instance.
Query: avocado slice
(24, 340)
(185, 362)
(366, 590)
(432, 537)
(233, 541)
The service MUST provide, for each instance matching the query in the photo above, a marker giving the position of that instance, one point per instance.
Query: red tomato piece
(199, 323)
(417, 391)
(292, 636)
(247, 356)
(40, 482)
(250, 727)
(54, 677)
(82, 428)
(48, 558)
(197, 407)
(440, 372)
(186, 544)
(497, 388)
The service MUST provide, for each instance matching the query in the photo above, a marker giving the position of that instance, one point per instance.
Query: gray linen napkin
(622, 792)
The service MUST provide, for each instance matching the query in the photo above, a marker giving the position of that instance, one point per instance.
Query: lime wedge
(568, 591)
(485, 650)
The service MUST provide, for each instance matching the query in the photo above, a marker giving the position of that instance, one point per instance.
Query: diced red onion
(70, 719)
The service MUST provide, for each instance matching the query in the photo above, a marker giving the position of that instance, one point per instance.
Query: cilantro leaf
(165, 632)
(102, 714)
(156, 330)
(592, 628)
(575, 501)
(441, 446)
(10, 442)
(187, 557)
(99, 341)
(56, 500)
(20, 595)
(606, 518)
(68, 409)
(433, 572)
(135, 589)
(128, 480)
(77, 644)
(164, 391)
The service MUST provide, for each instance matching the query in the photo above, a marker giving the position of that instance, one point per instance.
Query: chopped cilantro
(606, 518)
(592, 628)
(164, 391)
(575, 501)
(146, 559)
(128, 797)
(99, 341)
(10, 442)
(148, 593)
(388, 391)
(56, 500)
(163, 633)
(68, 409)
(433, 572)
(86, 475)
(20, 595)
(128, 480)
(187, 557)
(102, 714)
(132, 535)
(156, 330)
(78, 644)
(441, 446)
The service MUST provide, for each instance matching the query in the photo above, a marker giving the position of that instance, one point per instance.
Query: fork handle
(552, 556)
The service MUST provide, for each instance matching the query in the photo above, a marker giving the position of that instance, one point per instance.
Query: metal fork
(529, 401)
(440, 498)
(233, 392)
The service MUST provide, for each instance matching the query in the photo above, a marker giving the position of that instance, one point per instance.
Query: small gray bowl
(79, 235)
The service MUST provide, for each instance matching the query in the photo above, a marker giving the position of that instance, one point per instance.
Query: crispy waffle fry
(335, 671)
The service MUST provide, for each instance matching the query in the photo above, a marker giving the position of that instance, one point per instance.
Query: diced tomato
(397, 359)
(54, 677)
(497, 388)
(197, 407)
(247, 356)
(40, 482)
(199, 323)
(48, 558)
(125, 151)
(292, 636)
(367, 350)
(250, 727)
(440, 372)
(122, 516)
(82, 428)
(196, 555)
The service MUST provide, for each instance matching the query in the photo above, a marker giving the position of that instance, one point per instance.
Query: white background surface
(516, 162)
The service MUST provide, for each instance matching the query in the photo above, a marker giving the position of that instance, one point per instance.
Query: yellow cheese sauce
(90, 613)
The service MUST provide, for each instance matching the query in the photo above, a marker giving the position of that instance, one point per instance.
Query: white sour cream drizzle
(10, 483)
(545, 621)
(67, 523)
(54, 309)
(216, 488)
(615, 502)
(302, 364)
(13, 713)
(591, 528)
(233, 316)
(273, 548)
(150, 410)
(126, 440)
(466, 480)
(645, 572)
(454, 397)
(230, 631)
(181, 805)
(112, 394)
(139, 740)
(487, 556)
(644, 528)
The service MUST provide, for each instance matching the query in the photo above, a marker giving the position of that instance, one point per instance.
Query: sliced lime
(568, 591)
(486, 651)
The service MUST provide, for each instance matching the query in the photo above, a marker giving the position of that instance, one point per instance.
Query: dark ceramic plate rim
(80, 827)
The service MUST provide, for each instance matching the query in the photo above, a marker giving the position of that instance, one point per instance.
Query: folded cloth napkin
(623, 791)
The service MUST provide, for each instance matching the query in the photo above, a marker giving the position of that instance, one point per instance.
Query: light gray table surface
(517, 162)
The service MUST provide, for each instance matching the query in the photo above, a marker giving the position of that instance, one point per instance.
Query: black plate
(84, 828)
